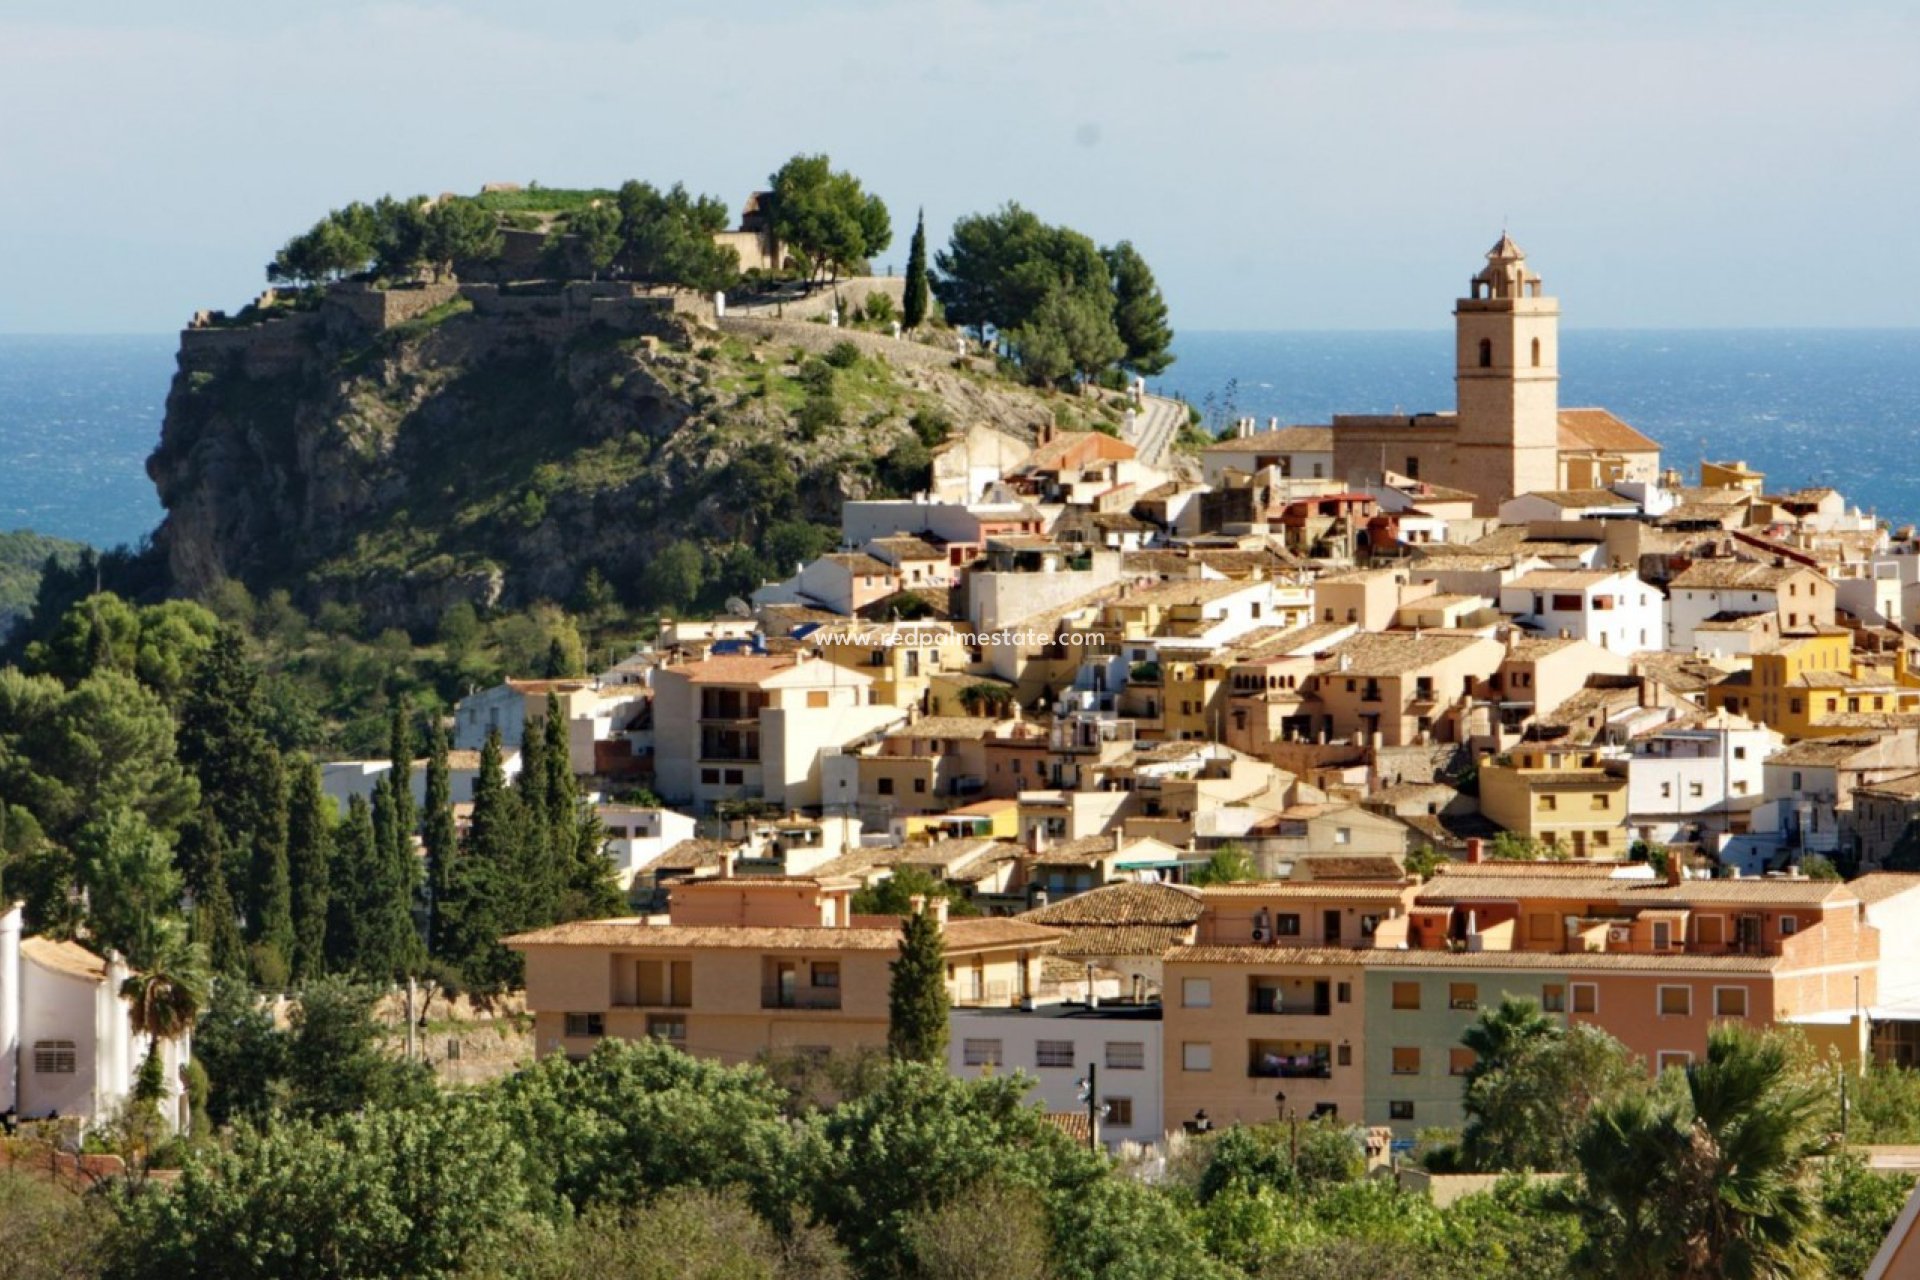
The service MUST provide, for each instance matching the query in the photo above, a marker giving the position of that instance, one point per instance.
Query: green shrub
(842, 355)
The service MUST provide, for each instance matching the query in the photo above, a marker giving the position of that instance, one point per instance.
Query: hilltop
(403, 449)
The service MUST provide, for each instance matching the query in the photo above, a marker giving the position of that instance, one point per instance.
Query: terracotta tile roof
(1334, 869)
(1597, 429)
(908, 547)
(859, 562)
(983, 933)
(1123, 904)
(1538, 961)
(1554, 579)
(737, 668)
(63, 956)
(972, 727)
(1724, 573)
(1298, 439)
(547, 686)
(1384, 654)
(1878, 886)
(1824, 751)
(1581, 498)
(1906, 787)
(1123, 940)
(1344, 890)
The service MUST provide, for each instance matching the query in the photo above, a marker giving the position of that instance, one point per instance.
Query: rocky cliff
(493, 446)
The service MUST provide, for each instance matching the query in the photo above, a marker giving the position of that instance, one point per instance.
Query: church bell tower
(1507, 380)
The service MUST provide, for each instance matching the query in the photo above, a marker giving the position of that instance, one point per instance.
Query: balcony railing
(774, 998)
(1298, 1008)
(1283, 1070)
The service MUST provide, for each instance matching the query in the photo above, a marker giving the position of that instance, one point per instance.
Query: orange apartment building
(749, 967)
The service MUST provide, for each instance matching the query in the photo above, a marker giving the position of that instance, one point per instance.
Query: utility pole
(1096, 1109)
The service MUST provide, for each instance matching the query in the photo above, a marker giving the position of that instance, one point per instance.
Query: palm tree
(166, 994)
(1714, 1183)
(1500, 1035)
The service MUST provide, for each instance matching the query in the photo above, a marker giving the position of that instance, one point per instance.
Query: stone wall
(378, 310)
(262, 350)
(556, 312)
(854, 292)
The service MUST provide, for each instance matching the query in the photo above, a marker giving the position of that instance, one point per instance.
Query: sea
(79, 414)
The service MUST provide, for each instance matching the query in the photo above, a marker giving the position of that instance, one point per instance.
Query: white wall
(1019, 1032)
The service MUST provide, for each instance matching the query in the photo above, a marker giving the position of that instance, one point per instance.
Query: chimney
(918, 902)
(1093, 996)
(1676, 871)
(1476, 851)
(1037, 838)
(940, 913)
(727, 860)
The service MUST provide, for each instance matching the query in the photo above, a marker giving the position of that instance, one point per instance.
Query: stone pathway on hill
(1155, 425)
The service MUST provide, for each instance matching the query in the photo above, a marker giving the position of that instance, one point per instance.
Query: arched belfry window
(1486, 353)
(1536, 353)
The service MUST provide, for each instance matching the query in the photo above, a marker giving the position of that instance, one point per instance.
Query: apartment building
(1813, 686)
(750, 967)
(752, 727)
(1610, 608)
(1797, 597)
(1398, 689)
(1571, 797)
(1056, 1044)
(1705, 770)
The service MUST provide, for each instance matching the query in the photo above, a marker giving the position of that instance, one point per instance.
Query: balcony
(1298, 999)
(1289, 1060)
(777, 998)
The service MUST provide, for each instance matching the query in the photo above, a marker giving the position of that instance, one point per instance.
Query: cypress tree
(584, 883)
(483, 899)
(917, 996)
(533, 865)
(914, 303)
(389, 944)
(352, 866)
(439, 834)
(270, 888)
(214, 924)
(400, 754)
(308, 841)
(222, 741)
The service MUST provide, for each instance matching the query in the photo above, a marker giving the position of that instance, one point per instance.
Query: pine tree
(439, 835)
(308, 847)
(917, 996)
(914, 304)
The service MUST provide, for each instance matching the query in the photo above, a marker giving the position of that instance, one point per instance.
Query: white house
(637, 835)
(1568, 504)
(1709, 771)
(341, 780)
(1709, 593)
(1611, 608)
(1055, 1044)
(1297, 453)
(67, 1043)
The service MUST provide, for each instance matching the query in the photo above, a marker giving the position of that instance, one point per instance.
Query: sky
(1335, 165)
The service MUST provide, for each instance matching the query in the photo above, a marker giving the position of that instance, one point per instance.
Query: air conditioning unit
(1259, 934)
(1619, 933)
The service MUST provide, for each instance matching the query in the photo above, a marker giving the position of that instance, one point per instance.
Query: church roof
(1504, 248)
(1599, 430)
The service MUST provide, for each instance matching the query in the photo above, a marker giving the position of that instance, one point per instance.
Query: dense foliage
(1063, 308)
(826, 218)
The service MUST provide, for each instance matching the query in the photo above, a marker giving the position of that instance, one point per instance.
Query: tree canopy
(827, 216)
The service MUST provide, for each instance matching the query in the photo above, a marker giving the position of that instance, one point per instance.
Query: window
(671, 1027)
(54, 1057)
(1119, 1112)
(886, 786)
(1053, 1053)
(733, 777)
(586, 1024)
(1344, 1055)
(1676, 1002)
(1460, 1061)
(1729, 1002)
(1368, 925)
(1696, 789)
(1666, 790)
(1549, 803)
(1126, 1055)
(1463, 995)
(1789, 925)
(1542, 927)
(1196, 993)
(1196, 1055)
(1400, 1109)
(826, 973)
(920, 786)
(1586, 998)
(1710, 930)
(1406, 995)
(1553, 998)
(981, 1053)
(1343, 835)
(816, 697)
(710, 777)
(1286, 926)
(1674, 1058)
(1739, 753)
(1343, 992)
(1406, 1061)
(1662, 935)
(1597, 802)
(1536, 353)
(1486, 353)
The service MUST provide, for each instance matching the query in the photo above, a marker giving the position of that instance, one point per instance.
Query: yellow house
(902, 658)
(1559, 795)
(1813, 686)
(997, 819)
(748, 967)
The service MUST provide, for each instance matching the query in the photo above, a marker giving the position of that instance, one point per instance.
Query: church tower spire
(1507, 380)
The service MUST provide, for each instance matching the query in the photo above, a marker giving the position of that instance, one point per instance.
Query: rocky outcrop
(492, 445)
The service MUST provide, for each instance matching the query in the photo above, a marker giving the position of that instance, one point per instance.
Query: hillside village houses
(1638, 721)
